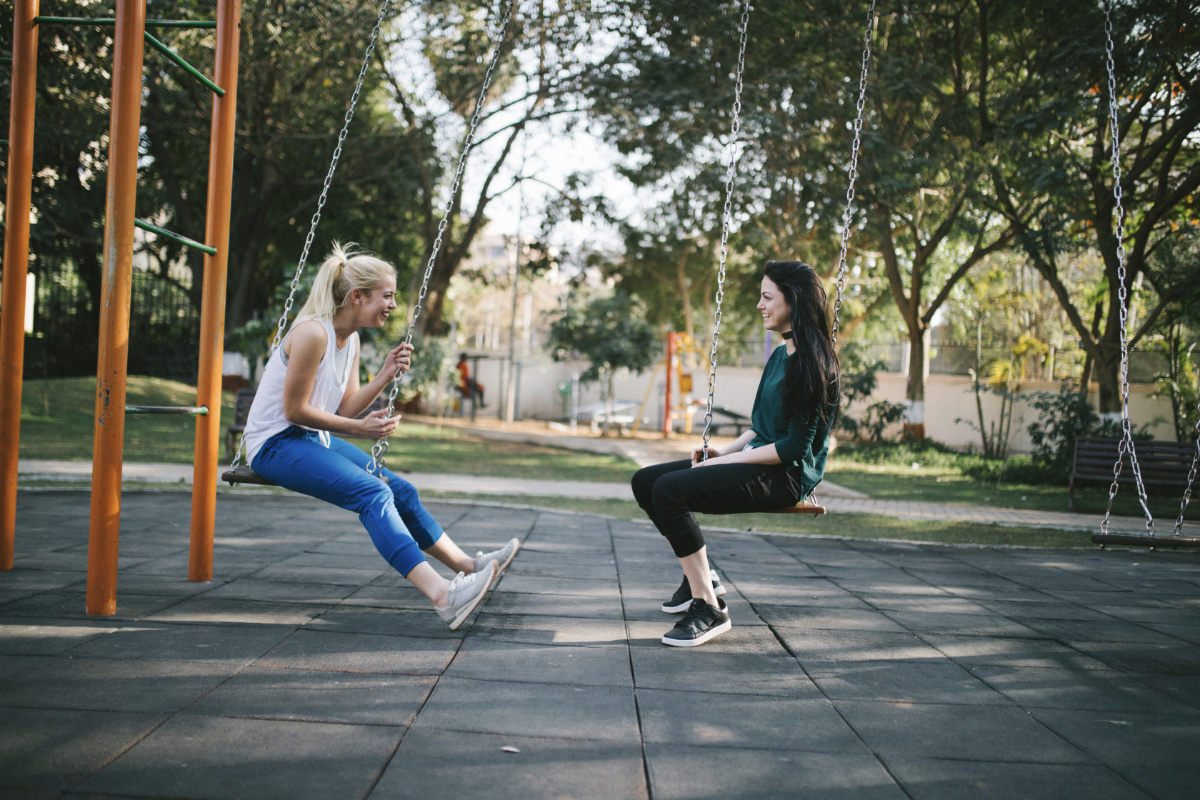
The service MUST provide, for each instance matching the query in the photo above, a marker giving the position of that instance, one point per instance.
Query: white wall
(948, 398)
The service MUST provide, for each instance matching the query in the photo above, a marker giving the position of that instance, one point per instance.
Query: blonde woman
(310, 392)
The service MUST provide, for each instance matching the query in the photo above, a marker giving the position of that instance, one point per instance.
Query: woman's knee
(373, 495)
(642, 484)
(670, 491)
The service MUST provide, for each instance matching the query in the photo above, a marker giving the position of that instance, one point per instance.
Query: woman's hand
(377, 424)
(698, 456)
(398, 360)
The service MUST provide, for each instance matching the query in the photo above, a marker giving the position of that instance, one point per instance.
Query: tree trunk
(608, 400)
(914, 395)
(685, 292)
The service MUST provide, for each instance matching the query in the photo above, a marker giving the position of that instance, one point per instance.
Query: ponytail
(340, 274)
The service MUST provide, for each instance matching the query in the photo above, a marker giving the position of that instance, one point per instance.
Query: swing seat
(801, 508)
(244, 474)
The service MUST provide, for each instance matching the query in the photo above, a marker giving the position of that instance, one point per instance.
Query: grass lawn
(947, 484)
(857, 526)
(57, 417)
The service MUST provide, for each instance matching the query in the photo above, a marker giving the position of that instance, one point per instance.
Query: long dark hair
(810, 384)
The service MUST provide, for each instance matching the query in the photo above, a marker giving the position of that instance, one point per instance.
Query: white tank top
(266, 413)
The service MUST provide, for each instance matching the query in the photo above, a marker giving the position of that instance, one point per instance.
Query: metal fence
(164, 327)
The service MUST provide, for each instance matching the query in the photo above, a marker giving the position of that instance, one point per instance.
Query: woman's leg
(678, 495)
(695, 567)
(644, 479)
(420, 523)
(297, 462)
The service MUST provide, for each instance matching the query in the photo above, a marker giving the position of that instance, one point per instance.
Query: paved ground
(855, 669)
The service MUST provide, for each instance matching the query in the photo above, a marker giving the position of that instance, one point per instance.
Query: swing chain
(380, 448)
(726, 219)
(316, 218)
(1126, 444)
(853, 171)
(1187, 492)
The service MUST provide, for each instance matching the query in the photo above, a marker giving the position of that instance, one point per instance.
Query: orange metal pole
(212, 309)
(18, 205)
(108, 443)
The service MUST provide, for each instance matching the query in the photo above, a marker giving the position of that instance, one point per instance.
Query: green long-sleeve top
(801, 445)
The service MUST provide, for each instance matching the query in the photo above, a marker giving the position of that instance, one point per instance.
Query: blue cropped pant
(399, 525)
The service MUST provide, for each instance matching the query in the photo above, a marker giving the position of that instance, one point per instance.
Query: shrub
(858, 379)
(1063, 417)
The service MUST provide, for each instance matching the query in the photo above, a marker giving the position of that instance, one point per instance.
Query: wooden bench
(1161, 463)
(740, 422)
(241, 410)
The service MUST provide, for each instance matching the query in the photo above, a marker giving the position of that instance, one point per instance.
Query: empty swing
(1126, 446)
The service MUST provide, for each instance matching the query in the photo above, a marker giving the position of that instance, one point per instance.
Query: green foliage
(1176, 264)
(858, 381)
(432, 367)
(1063, 417)
(610, 333)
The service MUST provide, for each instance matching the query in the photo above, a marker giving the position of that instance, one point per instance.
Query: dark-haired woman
(774, 465)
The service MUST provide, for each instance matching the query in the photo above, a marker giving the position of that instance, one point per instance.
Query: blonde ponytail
(341, 273)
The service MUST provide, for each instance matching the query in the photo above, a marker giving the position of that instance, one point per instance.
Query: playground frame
(117, 269)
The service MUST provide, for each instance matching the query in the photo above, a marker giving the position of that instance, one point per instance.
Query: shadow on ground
(855, 669)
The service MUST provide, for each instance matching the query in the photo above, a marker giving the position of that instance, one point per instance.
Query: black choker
(787, 334)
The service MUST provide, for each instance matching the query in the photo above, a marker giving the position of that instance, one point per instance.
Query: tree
(611, 333)
(664, 94)
(1174, 265)
(536, 80)
(298, 66)
(1053, 141)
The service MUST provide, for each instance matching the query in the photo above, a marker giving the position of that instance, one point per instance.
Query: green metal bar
(190, 411)
(188, 68)
(175, 237)
(150, 23)
(5, 60)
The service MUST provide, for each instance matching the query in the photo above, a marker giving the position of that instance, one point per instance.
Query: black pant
(670, 493)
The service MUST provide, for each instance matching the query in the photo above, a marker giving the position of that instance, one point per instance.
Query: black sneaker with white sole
(701, 623)
(682, 598)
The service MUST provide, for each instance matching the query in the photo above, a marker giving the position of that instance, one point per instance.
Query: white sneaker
(503, 557)
(464, 593)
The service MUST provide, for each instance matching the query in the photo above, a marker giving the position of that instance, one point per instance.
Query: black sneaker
(701, 623)
(682, 598)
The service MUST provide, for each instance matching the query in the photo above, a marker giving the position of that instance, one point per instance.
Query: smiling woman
(770, 467)
(310, 391)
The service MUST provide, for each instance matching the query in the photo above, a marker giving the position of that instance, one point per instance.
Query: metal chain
(380, 448)
(858, 120)
(726, 218)
(1126, 443)
(316, 218)
(1187, 492)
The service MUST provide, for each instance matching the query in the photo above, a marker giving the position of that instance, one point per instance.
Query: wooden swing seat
(800, 508)
(1144, 540)
(244, 474)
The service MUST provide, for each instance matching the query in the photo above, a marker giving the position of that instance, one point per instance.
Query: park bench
(739, 422)
(1161, 463)
(241, 410)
